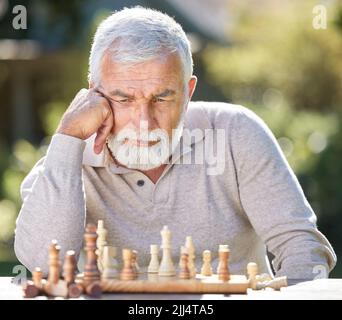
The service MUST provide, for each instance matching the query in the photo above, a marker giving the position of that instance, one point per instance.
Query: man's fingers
(103, 132)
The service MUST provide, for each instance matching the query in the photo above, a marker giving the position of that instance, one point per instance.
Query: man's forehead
(164, 68)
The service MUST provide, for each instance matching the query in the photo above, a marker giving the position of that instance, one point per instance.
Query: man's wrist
(65, 151)
(68, 132)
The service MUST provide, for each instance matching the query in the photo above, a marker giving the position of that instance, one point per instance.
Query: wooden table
(320, 289)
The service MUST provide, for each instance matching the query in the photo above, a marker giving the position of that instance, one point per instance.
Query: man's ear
(192, 86)
(91, 85)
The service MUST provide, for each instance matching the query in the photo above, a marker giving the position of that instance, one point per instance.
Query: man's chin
(141, 166)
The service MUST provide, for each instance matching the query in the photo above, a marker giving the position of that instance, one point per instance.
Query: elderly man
(133, 151)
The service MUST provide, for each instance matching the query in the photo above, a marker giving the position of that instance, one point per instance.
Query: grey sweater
(232, 187)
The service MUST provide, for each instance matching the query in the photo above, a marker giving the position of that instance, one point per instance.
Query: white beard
(145, 157)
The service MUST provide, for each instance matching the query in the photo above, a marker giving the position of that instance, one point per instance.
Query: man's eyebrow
(166, 93)
(118, 92)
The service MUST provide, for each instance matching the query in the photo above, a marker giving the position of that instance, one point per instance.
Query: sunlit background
(265, 55)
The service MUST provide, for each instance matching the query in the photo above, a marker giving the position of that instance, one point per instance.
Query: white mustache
(152, 136)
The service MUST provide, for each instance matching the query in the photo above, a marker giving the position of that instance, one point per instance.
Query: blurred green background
(266, 55)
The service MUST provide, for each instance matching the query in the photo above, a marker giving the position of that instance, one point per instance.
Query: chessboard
(104, 274)
(152, 283)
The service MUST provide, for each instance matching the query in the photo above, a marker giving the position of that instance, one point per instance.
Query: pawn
(69, 267)
(135, 264)
(101, 242)
(33, 288)
(54, 286)
(153, 267)
(191, 252)
(69, 274)
(54, 263)
(184, 271)
(37, 277)
(252, 271)
(223, 269)
(110, 264)
(206, 267)
(127, 272)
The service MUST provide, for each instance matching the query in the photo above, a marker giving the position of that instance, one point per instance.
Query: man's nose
(144, 115)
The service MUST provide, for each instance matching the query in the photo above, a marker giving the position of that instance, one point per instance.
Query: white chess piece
(153, 267)
(252, 272)
(191, 251)
(109, 263)
(206, 269)
(101, 242)
(166, 267)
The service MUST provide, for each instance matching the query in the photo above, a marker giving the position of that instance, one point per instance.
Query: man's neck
(153, 174)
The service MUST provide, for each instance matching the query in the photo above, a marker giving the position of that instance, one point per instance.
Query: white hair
(138, 34)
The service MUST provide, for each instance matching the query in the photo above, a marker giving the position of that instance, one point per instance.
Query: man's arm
(275, 203)
(53, 204)
(53, 196)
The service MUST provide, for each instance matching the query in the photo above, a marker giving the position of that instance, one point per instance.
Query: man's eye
(122, 100)
(159, 100)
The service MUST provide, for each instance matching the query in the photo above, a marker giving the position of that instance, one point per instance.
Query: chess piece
(37, 277)
(30, 290)
(263, 277)
(54, 286)
(191, 260)
(221, 247)
(184, 271)
(223, 269)
(275, 283)
(166, 267)
(153, 277)
(94, 289)
(100, 243)
(206, 269)
(252, 271)
(54, 263)
(127, 272)
(109, 263)
(153, 267)
(135, 264)
(69, 267)
(91, 271)
(69, 274)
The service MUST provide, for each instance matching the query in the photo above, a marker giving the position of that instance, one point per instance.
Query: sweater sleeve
(275, 204)
(53, 204)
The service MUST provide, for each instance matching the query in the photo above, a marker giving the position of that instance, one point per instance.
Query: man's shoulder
(213, 107)
(208, 114)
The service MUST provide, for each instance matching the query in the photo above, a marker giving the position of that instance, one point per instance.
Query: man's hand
(88, 113)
